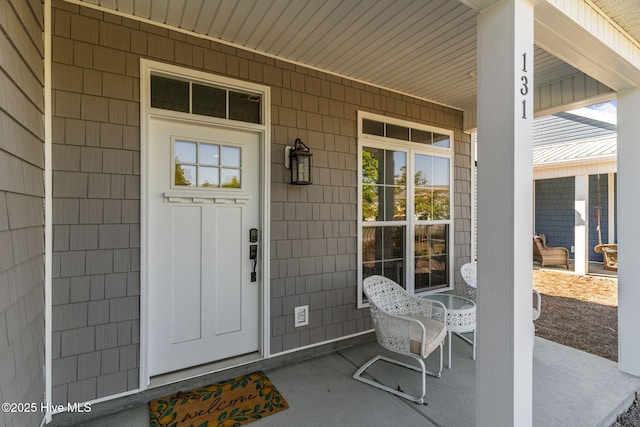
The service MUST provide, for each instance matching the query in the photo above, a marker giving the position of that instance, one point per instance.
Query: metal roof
(567, 127)
(585, 151)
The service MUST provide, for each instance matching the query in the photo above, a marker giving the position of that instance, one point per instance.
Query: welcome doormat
(229, 403)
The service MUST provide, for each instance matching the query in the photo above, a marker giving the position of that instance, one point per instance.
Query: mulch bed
(579, 311)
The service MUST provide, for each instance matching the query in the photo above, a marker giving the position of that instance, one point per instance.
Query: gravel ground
(631, 418)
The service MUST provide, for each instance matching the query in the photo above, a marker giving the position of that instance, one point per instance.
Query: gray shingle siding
(95, 145)
(313, 229)
(22, 335)
(604, 211)
(555, 211)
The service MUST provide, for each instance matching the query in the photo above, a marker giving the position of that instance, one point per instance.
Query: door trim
(264, 130)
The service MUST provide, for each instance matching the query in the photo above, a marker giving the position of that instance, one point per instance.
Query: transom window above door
(192, 97)
(206, 165)
(406, 193)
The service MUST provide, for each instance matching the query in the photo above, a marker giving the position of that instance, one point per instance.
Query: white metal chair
(468, 272)
(404, 324)
(537, 310)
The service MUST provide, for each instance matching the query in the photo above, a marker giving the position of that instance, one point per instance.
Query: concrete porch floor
(570, 388)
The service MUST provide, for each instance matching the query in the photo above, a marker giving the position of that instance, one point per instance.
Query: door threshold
(200, 370)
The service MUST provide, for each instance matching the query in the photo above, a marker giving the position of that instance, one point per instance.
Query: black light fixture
(298, 159)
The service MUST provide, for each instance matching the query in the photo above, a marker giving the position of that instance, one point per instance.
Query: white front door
(203, 200)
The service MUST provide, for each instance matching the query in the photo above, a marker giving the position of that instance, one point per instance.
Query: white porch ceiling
(423, 48)
(625, 13)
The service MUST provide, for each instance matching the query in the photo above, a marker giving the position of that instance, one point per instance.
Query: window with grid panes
(406, 193)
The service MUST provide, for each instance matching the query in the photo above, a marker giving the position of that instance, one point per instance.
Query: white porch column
(505, 214)
(581, 231)
(628, 232)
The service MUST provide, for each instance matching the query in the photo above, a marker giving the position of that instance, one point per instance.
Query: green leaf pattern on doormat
(173, 411)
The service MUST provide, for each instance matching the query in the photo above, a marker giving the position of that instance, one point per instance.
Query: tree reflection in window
(432, 187)
(230, 178)
(180, 178)
(383, 185)
(207, 165)
(370, 166)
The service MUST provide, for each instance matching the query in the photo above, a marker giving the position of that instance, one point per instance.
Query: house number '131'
(524, 89)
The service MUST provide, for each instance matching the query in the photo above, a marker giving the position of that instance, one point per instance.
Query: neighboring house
(161, 132)
(566, 145)
(570, 147)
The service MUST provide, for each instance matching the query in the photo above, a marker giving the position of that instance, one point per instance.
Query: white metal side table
(461, 318)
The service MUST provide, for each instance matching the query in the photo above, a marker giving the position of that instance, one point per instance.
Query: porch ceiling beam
(583, 36)
(575, 91)
(561, 170)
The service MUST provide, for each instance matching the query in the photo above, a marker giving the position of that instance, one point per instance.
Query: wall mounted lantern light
(298, 159)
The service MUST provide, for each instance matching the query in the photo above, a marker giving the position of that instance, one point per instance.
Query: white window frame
(198, 142)
(411, 148)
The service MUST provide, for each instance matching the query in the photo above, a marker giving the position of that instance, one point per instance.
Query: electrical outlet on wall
(301, 316)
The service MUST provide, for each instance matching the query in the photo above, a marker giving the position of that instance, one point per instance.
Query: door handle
(253, 255)
(253, 252)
